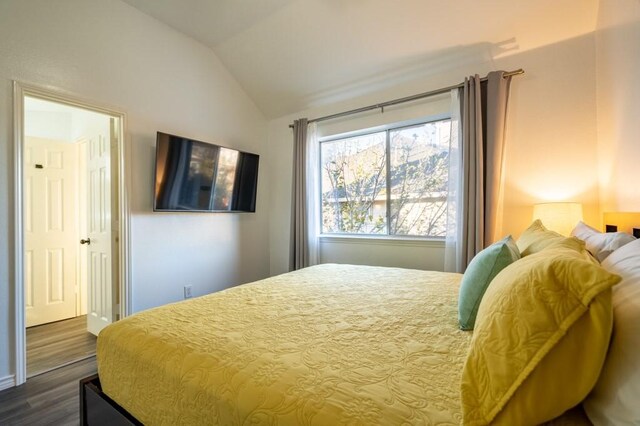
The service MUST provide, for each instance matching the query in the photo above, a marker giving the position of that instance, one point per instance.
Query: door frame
(20, 90)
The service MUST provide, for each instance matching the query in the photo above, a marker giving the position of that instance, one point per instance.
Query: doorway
(71, 228)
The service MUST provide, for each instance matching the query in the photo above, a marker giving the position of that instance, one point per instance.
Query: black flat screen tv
(201, 177)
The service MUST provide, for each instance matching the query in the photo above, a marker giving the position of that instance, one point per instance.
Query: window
(389, 182)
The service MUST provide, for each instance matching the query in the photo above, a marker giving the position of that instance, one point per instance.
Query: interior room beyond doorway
(69, 191)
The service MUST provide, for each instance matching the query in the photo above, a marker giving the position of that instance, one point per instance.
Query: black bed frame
(97, 409)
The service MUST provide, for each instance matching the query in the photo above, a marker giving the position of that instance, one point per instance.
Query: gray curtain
(483, 108)
(299, 246)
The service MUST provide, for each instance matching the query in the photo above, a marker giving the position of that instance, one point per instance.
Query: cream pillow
(600, 244)
(615, 399)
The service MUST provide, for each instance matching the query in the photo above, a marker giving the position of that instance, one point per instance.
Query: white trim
(20, 336)
(20, 90)
(7, 382)
(124, 172)
(381, 240)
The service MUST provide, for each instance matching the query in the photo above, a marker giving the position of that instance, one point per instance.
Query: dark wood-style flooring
(58, 343)
(48, 399)
(50, 396)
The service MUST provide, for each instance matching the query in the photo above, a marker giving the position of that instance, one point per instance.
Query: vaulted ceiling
(292, 54)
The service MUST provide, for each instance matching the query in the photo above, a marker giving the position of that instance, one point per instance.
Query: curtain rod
(402, 100)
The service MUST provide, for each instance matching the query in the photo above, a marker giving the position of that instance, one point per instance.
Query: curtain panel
(305, 211)
(476, 168)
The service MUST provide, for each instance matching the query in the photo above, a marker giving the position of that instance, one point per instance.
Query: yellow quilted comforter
(327, 345)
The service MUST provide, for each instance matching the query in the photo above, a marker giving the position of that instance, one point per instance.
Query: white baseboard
(7, 382)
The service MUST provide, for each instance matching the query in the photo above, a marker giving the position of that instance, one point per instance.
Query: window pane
(225, 178)
(353, 185)
(419, 173)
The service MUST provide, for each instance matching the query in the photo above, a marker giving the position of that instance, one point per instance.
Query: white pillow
(600, 244)
(615, 400)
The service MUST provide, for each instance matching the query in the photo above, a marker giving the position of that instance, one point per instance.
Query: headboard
(622, 221)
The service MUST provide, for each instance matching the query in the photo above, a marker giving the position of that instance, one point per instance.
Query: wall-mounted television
(202, 177)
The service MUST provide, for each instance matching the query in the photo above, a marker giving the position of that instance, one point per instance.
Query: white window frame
(345, 236)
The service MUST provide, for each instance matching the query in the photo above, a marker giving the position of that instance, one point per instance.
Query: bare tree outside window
(419, 179)
(354, 185)
(363, 192)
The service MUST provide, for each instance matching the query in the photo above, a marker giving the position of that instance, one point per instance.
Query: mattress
(326, 345)
(329, 344)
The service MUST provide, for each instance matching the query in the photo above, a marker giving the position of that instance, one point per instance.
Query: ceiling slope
(292, 54)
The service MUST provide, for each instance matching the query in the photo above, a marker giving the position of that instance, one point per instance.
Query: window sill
(382, 240)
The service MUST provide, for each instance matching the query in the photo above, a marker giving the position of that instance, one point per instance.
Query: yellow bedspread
(327, 345)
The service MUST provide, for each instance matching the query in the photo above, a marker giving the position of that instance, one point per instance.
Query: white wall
(412, 254)
(618, 92)
(55, 125)
(551, 153)
(108, 52)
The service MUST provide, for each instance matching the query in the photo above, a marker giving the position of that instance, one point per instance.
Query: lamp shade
(559, 217)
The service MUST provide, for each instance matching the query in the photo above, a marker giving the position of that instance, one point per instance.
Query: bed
(323, 345)
(326, 345)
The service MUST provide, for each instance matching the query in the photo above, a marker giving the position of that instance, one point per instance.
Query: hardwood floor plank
(48, 399)
(58, 343)
(51, 398)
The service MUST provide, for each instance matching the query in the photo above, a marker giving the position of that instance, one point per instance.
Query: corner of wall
(618, 108)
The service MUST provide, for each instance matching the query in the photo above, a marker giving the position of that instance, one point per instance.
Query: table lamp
(559, 217)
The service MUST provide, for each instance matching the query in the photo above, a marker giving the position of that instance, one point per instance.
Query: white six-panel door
(51, 238)
(99, 271)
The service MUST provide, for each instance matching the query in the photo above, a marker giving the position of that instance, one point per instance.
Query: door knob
(87, 241)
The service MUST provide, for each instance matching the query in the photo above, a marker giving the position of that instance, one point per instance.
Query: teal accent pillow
(481, 270)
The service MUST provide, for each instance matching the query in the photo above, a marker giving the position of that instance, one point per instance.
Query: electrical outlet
(187, 292)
